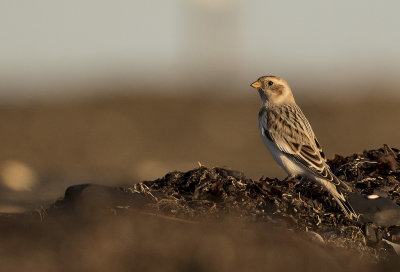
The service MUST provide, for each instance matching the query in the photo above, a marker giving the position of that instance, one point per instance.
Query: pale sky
(80, 41)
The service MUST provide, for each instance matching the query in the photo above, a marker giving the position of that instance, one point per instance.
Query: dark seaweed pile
(372, 171)
(206, 194)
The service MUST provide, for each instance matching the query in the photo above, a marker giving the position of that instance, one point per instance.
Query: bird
(289, 137)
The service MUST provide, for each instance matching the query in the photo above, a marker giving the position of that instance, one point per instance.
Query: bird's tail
(335, 189)
(342, 185)
(345, 206)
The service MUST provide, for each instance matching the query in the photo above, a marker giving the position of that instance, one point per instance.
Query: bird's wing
(288, 128)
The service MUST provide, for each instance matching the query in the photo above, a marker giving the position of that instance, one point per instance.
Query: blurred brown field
(123, 140)
(134, 242)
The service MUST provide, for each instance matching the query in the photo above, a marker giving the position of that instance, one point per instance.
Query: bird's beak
(256, 84)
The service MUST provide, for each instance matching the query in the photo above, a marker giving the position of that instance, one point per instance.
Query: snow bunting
(290, 139)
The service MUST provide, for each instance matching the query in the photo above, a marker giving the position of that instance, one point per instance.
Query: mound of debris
(214, 193)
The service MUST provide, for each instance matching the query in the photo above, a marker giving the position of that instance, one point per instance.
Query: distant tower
(211, 44)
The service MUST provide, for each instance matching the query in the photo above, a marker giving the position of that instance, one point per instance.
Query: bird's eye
(270, 83)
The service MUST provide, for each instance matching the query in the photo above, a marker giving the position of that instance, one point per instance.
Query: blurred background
(116, 92)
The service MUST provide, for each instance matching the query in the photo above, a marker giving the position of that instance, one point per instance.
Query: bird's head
(273, 89)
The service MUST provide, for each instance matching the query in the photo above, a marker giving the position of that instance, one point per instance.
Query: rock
(370, 234)
(394, 232)
(95, 197)
(396, 247)
(379, 210)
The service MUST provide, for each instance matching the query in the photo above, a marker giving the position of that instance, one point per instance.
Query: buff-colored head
(274, 89)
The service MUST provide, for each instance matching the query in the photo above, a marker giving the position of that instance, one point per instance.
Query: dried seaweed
(209, 193)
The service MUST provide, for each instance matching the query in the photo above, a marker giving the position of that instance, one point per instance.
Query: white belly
(288, 165)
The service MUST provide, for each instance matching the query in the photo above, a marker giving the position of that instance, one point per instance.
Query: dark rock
(394, 232)
(381, 211)
(95, 197)
(370, 234)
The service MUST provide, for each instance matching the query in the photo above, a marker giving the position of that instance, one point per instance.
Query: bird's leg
(290, 177)
(302, 179)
